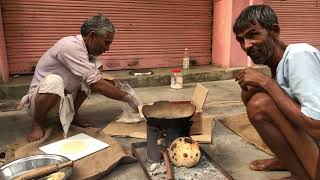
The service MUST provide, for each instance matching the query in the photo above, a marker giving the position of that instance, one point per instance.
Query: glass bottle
(186, 59)
(176, 78)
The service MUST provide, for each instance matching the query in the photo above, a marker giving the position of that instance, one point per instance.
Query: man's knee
(258, 106)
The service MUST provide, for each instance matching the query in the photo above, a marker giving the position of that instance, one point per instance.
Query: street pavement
(231, 151)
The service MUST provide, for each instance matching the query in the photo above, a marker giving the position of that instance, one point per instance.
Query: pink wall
(4, 73)
(221, 41)
(237, 55)
(226, 51)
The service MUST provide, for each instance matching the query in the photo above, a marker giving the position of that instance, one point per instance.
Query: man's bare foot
(273, 164)
(37, 132)
(77, 121)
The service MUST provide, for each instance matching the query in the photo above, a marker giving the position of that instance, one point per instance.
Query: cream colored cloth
(53, 84)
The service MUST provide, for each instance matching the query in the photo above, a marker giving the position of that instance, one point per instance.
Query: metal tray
(17, 167)
(143, 145)
(141, 72)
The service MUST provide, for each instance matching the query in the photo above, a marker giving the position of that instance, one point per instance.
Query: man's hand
(107, 89)
(251, 77)
(132, 101)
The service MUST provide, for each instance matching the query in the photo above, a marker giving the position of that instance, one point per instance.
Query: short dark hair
(261, 13)
(100, 24)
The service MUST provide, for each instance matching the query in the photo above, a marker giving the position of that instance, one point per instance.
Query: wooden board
(75, 147)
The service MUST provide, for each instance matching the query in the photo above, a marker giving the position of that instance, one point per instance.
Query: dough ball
(185, 152)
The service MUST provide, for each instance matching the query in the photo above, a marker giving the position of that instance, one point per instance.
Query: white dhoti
(53, 84)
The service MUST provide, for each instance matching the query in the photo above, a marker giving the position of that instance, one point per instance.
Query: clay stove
(167, 120)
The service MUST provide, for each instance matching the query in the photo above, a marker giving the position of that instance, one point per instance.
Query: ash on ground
(202, 171)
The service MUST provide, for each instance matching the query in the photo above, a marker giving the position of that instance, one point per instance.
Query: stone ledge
(19, 85)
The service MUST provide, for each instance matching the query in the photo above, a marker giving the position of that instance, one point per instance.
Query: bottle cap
(176, 70)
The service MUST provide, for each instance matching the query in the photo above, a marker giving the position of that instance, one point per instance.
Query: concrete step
(19, 85)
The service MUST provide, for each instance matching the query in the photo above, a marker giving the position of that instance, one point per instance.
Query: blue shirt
(298, 74)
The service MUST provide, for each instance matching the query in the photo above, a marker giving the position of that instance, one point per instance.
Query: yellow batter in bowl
(56, 176)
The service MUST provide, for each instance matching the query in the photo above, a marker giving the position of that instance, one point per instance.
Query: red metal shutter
(150, 33)
(299, 20)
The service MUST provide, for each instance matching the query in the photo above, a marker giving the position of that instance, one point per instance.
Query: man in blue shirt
(284, 109)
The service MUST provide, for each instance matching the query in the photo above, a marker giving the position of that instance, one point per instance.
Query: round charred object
(184, 152)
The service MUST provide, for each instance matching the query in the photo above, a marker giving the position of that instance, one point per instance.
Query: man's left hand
(251, 77)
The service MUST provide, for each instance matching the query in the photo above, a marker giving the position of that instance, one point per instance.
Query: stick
(170, 175)
(45, 170)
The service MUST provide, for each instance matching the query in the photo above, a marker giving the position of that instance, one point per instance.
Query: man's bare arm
(291, 109)
(109, 90)
(251, 78)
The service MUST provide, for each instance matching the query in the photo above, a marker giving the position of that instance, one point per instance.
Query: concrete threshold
(19, 85)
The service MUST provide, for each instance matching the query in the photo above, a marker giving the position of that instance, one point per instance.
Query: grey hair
(100, 24)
